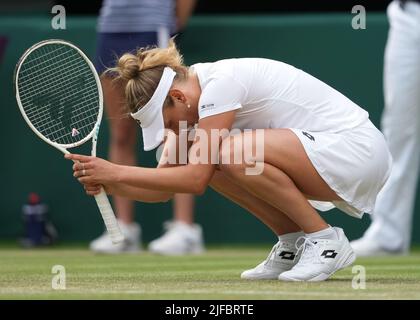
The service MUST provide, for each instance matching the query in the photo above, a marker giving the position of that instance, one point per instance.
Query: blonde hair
(141, 72)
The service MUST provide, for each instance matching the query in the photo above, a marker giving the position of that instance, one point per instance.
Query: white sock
(327, 233)
(292, 236)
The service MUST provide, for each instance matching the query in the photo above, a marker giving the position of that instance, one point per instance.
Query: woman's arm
(142, 194)
(191, 178)
(132, 193)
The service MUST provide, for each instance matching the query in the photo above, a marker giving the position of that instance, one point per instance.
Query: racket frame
(101, 199)
(95, 131)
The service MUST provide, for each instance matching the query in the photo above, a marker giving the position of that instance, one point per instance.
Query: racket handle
(107, 213)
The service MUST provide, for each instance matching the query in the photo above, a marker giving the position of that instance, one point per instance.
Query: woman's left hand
(93, 171)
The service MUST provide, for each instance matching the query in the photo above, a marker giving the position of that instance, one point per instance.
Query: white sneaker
(179, 239)
(282, 258)
(320, 258)
(365, 247)
(131, 243)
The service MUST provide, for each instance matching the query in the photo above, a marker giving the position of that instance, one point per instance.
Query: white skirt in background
(354, 163)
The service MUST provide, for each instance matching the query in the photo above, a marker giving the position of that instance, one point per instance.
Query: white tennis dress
(346, 149)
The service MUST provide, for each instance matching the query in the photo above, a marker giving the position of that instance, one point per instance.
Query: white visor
(150, 117)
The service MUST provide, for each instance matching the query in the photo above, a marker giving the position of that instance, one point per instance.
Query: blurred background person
(390, 230)
(124, 26)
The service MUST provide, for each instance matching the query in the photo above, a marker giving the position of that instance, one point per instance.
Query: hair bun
(128, 66)
(143, 70)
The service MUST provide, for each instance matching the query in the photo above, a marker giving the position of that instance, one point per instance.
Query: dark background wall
(209, 6)
(324, 45)
(248, 6)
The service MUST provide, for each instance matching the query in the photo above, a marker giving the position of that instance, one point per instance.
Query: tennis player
(320, 150)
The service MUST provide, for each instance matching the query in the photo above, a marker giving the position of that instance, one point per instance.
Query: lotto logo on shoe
(287, 255)
(329, 254)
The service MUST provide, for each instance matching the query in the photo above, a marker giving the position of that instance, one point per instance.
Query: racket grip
(107, 213)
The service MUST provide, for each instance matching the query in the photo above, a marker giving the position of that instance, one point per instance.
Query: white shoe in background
(282, 258)
(131, 243)
(365, 247)
(179, 239)
(320, 258)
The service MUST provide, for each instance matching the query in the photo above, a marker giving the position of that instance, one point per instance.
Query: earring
(188, 106)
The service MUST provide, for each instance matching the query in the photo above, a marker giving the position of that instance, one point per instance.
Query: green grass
(26, 274)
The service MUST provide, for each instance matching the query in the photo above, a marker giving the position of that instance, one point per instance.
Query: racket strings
(55, 112)
(58, 92)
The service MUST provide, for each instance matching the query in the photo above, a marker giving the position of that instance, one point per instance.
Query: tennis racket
(60, 97)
